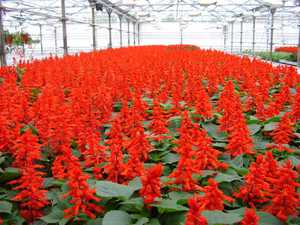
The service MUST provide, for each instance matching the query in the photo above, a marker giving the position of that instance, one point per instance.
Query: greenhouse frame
(237, 21)
(149, 112)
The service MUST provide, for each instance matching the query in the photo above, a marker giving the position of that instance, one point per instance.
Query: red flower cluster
(151, 183)
(250, 218)
(233, 122)
(196, 154)
(213, 199)
(288, 49)
(107, 115)
(31, 195)
(272, 186)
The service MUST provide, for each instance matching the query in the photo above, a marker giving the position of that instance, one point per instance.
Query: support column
(64, 27)
(109, 11)
(2, 38)
(120, 29)
(181, 36)
(298, 52)
(273, 10)
(139, 34)
(41, 39)
(225, 30)
(134, 24)
(128, 31)
(231, 47)
(94, 28)
(241, 36)
(253, 35)
(55, 40)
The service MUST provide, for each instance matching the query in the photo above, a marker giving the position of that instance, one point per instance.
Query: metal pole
(128, 31)
(181, 36)
(55, 40)
(273, 10)
(121, 36)
(109, 11)
(94, 29)
(241, 36)
(139, 30)
(231, 48)
(64, 26)
(2, 38)
(41, 39)
(134, 25)
(298, 55)
(225, 37)
(253, 35)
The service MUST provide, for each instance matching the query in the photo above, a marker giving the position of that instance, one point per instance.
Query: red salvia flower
(256, 188)
(250, 218)
(234, 122)
(214, 197)
(194, 216)
(285, 199)
(94, 154)
(31, 193)
(296, 107)
(283, 133)
(183, 174)
(158, 124)
(203, 105)
(83, 198)
(115, 166)
(151, 183)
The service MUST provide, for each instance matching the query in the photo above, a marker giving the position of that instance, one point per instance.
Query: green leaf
(55, 216)
(170, 158)
(177, 218)
(219, 217)
(213, 130)
(295, 161)
(219, 144)
(270, 126)
(50, 182)
(116, 217)
(135, 184)
(136, 203)
(9, 173)
(176, 196)
(223, 177)
(97, 221)
(237, 162)
(109, 189)
(5, 207)
(154, 222)
(268, 219)
(64, 221)
(142, 221)
(174, 122)
(254, 128)
(260, 142)
(169, 205)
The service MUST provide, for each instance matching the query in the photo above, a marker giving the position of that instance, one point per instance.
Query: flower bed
(288, 49)
(151, 135)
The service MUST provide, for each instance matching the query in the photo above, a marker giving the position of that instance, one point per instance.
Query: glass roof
(148, 11)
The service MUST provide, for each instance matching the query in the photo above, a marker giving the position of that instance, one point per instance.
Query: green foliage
(116, 217)
(109, 189)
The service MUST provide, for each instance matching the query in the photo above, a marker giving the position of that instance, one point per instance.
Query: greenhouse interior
(150, 112)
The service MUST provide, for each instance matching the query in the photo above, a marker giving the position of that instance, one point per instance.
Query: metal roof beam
(108, 4)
